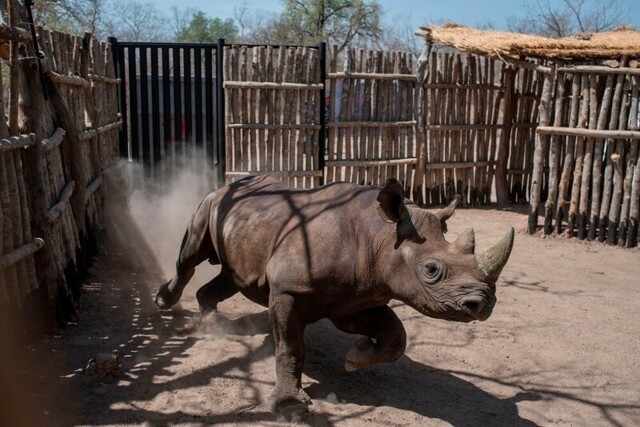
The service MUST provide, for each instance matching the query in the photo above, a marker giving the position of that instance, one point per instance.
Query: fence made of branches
(273, 103)
(371, 122)
(59, 139)
(588, 141)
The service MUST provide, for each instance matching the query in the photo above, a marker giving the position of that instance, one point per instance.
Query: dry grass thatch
(621, 42)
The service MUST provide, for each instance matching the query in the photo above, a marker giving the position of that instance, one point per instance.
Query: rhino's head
(439, 279)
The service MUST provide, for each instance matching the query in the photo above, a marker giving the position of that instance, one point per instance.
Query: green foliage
(202, 29)
(336, 21)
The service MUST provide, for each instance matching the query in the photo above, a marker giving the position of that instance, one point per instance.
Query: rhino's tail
(196, 247)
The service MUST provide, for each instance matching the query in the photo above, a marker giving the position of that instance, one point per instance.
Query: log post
(610, 206)
(502, 185)
(631, 164)
(541, 148)
(563, 189)
(588, 158)
(597, 160)
(574, 205)
(554, 159)
(421, 140)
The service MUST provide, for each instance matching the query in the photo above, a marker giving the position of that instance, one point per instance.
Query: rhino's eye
(433, 271)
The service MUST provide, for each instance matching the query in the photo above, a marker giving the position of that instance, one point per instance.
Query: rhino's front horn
(492, 260)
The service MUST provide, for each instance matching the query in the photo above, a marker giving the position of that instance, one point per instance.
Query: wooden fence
(371, 122)
(588, 140)
(462, 96)
(273, 103)
(64, 122)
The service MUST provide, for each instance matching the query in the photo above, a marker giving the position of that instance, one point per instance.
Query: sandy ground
(562, 348)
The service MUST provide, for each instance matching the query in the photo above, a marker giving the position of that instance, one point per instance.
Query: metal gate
(171, 102)
(172, 99)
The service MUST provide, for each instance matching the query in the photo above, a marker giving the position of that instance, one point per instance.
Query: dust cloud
(149, 211)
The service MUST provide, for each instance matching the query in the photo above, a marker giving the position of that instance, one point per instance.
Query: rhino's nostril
(474, 306)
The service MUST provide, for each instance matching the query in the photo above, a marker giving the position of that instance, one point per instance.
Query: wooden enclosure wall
(273, 102)
(588, 140)
(375, 123)
(65, 139)
(371, 121)
(462, 127)
(519, 123)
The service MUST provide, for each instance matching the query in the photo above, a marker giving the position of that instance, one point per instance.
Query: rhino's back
(303, 236)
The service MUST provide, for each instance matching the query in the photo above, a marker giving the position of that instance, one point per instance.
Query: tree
(336, 21)
(71, 16)
(264, 27)
(566, 17)
(136, 21)
(400, 36)
(202, 29)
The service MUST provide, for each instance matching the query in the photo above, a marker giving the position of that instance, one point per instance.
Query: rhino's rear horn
(466, 242)
(493, 260)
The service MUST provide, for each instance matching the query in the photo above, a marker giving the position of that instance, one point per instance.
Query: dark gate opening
(171, 103)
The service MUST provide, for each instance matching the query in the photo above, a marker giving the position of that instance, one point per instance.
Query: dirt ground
(562, 348)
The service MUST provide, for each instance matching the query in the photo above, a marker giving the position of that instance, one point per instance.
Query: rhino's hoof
(291, 407)
(165, 299)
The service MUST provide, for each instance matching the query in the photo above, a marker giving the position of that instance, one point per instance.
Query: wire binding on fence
(54, 140)
(16, 142)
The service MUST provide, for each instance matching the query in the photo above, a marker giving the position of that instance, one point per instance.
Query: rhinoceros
(342, 252)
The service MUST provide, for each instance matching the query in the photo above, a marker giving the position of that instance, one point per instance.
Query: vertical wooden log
(631, 164)
(368, 133)
(14, 69)
(554, 158)
(11, 278)
(279, 151)
(540, 152)
(563, 190)
(572, 220)
(597, 160)
(289, 149)
(588, 159)
(502, 186)
(494, 117)
(614, 159)
(331, 131)
(91, 93)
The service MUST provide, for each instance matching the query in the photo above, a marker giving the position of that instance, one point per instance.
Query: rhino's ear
(445, 213)
(391, 199)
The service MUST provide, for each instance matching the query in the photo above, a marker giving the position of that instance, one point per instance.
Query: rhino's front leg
(288, 333)
(385, 338)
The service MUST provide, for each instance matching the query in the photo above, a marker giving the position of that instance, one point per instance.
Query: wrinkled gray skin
(340, 252)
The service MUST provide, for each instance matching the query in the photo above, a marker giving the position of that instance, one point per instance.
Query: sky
(416, 12)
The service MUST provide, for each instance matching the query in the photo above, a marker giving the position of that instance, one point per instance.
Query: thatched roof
(621, 42)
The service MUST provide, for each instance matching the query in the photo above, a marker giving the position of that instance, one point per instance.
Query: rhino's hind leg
(215, 291)
(196, 248)
(385, 338)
